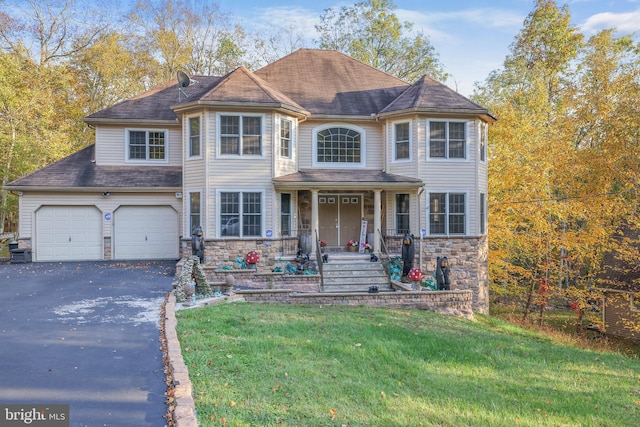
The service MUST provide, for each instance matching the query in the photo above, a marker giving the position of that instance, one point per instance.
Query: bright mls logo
(34, 415)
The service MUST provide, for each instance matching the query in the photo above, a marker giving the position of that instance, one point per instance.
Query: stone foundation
(468, 260)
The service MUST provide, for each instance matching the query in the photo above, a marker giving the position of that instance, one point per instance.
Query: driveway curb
(184, 413)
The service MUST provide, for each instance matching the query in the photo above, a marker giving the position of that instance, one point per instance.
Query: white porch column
(377, 219)
(314, 218)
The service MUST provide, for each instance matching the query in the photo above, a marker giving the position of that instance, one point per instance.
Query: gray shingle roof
(346, 177)
(429, 95)
(155, 104)
(327, 82)
(78, 171)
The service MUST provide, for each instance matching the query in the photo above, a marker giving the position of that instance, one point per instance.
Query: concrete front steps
(353, 273)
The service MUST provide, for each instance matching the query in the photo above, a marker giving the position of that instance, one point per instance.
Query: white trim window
(339, 146)
(447, 140)
(195, 209)
(484, 130)
(403, 225)
(402, 141)
(194, 130)
(240, 135)
(285, 214)
(447, 213)
(241, 213)
(147, 145)
(286, 138)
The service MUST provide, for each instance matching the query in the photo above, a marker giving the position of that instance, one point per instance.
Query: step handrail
(384, 255)
(319, 259)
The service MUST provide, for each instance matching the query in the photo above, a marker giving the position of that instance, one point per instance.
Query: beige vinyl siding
(374, 146)
(111, 149)
(467, 176)
(30, 202)
(406, 168)
(414, 210)
(282, 165)
(241, 173)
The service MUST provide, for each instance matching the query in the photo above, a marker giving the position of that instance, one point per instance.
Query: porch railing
(392, 239)
(384, 255)
(293, 240)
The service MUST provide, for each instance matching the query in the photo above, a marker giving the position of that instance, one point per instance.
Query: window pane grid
(147, 145)
(402, 141)
(447, 140)
(194, 136)
(285, 214)
(402, 213)
(137, 145)
(339, 145)
(251, 218)
(194, 209)
(285, 138)
(456, 214)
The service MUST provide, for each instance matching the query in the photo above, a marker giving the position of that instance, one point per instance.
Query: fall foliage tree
(371, 32)
(563, 155)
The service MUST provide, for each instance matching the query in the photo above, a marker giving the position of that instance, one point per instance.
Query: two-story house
(305, 148)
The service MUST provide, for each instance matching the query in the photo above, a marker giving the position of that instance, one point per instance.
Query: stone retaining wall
(458, 303)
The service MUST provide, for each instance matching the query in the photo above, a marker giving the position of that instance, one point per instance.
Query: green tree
(371, 32)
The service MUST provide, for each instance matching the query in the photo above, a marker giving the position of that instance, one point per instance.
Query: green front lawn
(281, 365)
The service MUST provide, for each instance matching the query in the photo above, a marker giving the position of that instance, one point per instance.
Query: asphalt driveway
(85, 334)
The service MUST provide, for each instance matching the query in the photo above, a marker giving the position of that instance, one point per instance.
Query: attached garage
(68, 233)
(145, 232)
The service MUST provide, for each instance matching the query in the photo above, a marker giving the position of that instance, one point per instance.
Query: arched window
(339, 145)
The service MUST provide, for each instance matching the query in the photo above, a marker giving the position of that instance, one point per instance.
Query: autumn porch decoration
(352, 245)
(252, 259)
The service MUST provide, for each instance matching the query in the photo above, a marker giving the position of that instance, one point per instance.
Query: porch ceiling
(345, 179)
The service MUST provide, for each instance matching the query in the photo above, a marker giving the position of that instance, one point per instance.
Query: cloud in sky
(626, 22)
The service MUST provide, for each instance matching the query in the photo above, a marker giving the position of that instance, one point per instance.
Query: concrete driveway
(85, 334)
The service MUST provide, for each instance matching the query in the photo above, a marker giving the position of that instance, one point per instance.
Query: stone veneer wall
(456, 303)
(224, 252)
(468, 262)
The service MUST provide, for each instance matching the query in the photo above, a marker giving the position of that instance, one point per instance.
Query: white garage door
(68, 233)
(145, 232)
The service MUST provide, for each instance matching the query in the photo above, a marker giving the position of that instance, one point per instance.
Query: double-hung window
(447, 140)
(194, 136)
(240, 135)
(241, 214)
(285, 214)
(402, 214)
(402, 141)
(194, 210)
(147, 145)
(285, 138)
(447, 213)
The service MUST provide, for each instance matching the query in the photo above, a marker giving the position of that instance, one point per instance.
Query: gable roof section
(244, 88)
(78, 171)
(330, 83)
(154, 105)
(430, 96)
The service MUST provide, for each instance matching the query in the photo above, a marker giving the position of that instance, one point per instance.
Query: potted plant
(367, 248)
(352, 245)
(322, 245)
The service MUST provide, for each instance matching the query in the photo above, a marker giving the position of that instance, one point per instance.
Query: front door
(340, 217)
